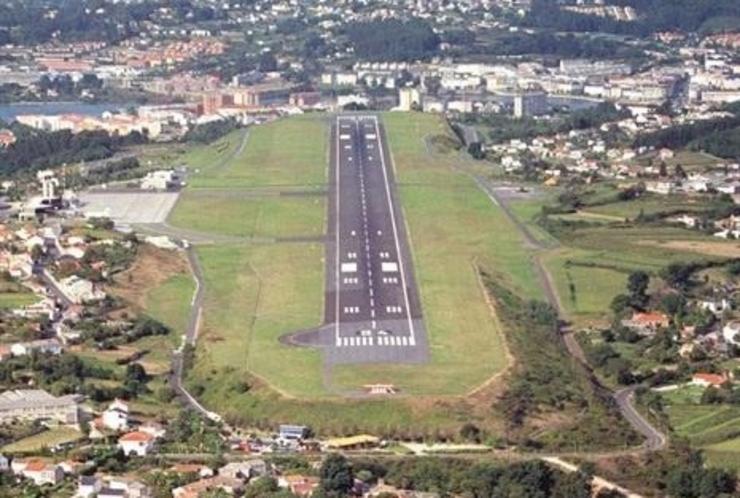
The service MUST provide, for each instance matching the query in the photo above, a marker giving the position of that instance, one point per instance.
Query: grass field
(46, 439)
(289, 152)
(10, 300)
(713, 428)
(250, 216)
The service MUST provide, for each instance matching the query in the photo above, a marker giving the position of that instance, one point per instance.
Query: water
(8, 112)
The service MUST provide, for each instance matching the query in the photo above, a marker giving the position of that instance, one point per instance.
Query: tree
(262, 486)
(337, 477)
(573, 485)
(470, 432)
(637, 285)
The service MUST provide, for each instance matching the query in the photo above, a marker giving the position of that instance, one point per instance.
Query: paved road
(654, 439)
(372, 308)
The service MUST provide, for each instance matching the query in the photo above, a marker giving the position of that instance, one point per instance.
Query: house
(244, 470)
(4, 463)
(352, 442)
(117, 487)
(78, 290)
(383, 489)
(136, 443)
(716, 306)
(292, 432)
(35, 404)
(202, 471)
(116, 416)
(709, 379)
(731, 332)
(88, 486)
(38, 471)
(198, 488)
(42, 346)
(647, 322)
(299, 485)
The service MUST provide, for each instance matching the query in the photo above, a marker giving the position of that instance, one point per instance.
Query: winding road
(623, 398)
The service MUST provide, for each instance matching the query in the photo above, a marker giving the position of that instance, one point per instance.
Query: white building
(116, 416)
(35, 404)
(38, 471)
(731, 332)
(78, 290)
(136, 443)
(409, 99)
(41, 346)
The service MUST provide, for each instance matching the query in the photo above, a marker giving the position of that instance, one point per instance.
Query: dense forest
(391, 39)
(36, 149)
(26, 22)
(560, 45)
(654, 16)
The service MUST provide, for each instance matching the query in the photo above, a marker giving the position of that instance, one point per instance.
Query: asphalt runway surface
(372, 308)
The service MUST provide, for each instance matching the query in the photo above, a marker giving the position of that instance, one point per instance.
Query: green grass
(250, 216)
(648, 204)
(725, 454)
(170, 304)
(287, 152)
(11, 300)
(255, 294)
(585, 291)
(46, 439)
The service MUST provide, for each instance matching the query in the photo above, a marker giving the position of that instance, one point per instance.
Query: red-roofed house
(299, 485)
(136, 443)
(647, 322)
(39, 471)
(7, 138)
(709, 379)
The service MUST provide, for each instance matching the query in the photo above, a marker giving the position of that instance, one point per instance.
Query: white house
(38, 471)
(50, 346)
(731, 332)
(116, 416)
(136, 443)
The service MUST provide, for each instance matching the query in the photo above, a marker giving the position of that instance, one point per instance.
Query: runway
(372, 308)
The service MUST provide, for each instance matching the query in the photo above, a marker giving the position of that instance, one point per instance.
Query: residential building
(116, 416)
(136, 443)
(38, 471)
(530, 104)
(299, 485)
(709, 379)
(409, 99)
(35, 404)
(41, 346)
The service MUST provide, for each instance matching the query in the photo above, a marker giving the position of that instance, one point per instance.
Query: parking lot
(129, 207)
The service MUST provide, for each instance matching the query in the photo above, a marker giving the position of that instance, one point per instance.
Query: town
(169, 173)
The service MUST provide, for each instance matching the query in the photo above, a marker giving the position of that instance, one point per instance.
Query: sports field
(258, 290)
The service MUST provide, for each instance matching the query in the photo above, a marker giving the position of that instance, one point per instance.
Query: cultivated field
(46, 439)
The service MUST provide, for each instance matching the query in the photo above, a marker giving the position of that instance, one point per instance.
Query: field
(714, 428)
(250, 216)
(45, 439)
(10, 300)
(260, 289)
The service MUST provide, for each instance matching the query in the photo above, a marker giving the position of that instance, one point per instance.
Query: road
(190, 338)
(372, 308)
(654, 439)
